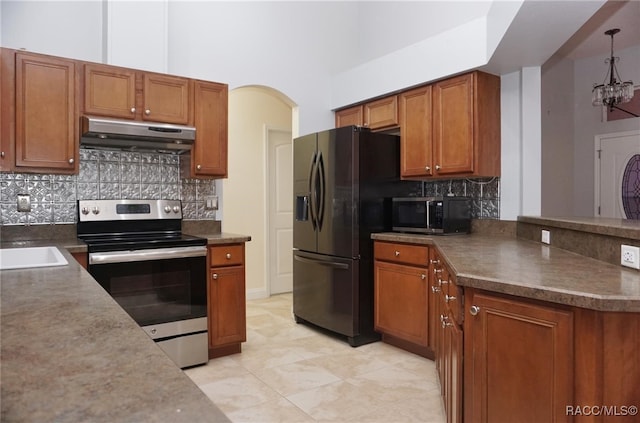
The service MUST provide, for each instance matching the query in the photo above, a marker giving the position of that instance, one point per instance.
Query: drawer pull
(474, 310)
(423, 276)
(435, 289)
(437, 271)
(214, 276)
(228, 256)
(436, 261)
(397, 253)
(448, 298)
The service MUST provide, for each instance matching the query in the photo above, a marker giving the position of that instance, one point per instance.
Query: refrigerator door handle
(322, 262)
(321, 177)
(312, 193)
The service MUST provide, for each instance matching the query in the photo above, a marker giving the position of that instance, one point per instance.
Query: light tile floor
(291, 373)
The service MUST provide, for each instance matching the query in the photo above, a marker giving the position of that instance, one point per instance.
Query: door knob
(228, 256)
(474, 310)
(214, 276)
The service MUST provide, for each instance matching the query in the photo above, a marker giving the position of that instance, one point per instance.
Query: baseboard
(257, 294)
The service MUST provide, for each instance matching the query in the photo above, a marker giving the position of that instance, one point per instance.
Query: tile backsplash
(104, 174)
(484, 192)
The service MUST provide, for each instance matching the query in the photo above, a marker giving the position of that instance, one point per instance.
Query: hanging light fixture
(612, 91)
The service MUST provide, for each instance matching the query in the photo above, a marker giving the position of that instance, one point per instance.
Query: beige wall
(251, 111)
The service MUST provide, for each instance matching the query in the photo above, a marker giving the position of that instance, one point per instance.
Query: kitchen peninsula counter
(532, 270)
(70, 353)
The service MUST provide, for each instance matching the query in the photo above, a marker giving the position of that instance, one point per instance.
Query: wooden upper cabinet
(466, 125)
(378, 114)
(109, 91)
(166, 99)
(350, 116)
(7, 109)
(209, 155)
(46, 131)
(123, 93)
(416, 145)
(382, 113)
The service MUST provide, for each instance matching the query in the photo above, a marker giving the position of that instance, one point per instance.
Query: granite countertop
(532, 270)
(624, 228)
(70, 353)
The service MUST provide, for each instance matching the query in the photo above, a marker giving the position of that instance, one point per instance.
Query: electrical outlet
(546, 237)
(630, 256)
(24, 203)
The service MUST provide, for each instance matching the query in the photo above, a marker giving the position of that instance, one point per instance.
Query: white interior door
(617, 181)
(280, 204)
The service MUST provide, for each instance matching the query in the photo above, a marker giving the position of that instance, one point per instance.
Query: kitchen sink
(28, 257)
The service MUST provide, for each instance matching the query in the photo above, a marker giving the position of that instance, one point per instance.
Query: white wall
(62, 28)
(520, 181)
(557, 139)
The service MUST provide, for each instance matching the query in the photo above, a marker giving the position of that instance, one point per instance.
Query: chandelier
(612, 91)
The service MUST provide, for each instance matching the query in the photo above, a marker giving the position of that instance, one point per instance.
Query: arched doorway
(261, 122)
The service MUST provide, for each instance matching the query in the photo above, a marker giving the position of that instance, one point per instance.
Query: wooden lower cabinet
(401, 299)
(227, 300)
(518, 360)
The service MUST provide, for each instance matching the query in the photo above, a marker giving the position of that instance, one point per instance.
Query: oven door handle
(146, 255)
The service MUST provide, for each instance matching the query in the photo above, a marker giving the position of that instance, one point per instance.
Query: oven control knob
(85, 210)
(95, 210)
(167, 209)
(176, 209)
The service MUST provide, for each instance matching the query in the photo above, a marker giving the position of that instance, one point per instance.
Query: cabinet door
(227, 306)
(209, 156)
(46, 124)
(109, 91)
(166, 99)
(401, 301)
(7, 108)
(350, 116)
(518, 361)
(454, 372)
(453, 120)
(415, 133)
(381, 113)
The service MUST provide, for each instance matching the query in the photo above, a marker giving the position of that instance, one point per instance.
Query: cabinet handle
(423, 276)
(435, 289)
(427, 168)
(435, 271)
(442, 282)
(445, 321)
(438, 167)
(71, 161)
(214, 276)
(228, 256)
(397, 253)
(434, 261)
(474, 310)
(448, 298)
(147, 112)
(133, 110)
(2, 154)
(198, 167)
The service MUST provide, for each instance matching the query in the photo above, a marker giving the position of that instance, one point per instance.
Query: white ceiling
(573, 29)
(590, 40)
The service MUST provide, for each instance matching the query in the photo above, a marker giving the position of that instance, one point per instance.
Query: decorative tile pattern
(103, 174)
(484, 192)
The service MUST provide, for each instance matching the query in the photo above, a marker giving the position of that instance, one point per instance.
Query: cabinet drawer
(401, 253)
(226, 255)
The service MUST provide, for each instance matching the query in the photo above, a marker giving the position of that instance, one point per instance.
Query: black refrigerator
(343, 179)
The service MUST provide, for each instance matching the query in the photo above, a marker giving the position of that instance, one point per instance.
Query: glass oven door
(155, 288)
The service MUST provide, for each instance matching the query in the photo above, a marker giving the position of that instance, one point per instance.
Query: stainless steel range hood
(136, 136)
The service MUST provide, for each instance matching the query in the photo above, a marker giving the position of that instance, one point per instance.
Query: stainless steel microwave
(431, 215)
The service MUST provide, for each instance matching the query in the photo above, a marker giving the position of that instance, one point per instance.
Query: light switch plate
(211, 202)
(24, 203)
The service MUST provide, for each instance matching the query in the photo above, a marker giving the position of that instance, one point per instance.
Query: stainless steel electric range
(139, 255)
